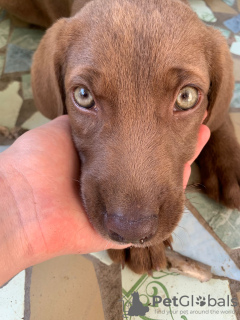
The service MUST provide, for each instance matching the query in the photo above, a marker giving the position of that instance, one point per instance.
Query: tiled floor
(65, 288)
(18, 41)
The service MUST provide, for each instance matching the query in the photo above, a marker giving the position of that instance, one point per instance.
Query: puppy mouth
(119, 239)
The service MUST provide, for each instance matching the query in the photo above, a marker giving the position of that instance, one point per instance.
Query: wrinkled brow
(85, 75)
(92, 78)
(177, 76)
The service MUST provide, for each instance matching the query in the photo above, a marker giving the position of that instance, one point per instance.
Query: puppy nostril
(116, 237)
(139, 230)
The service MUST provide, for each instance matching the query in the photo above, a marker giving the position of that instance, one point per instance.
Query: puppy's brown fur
(134, 57)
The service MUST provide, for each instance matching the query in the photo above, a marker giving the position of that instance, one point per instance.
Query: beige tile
(10, 104)
(4, 32)
(26, 86)
(238, 296)
(236, 66)
(235, 117)
(65, 288)
(36, 120)
(220, 6)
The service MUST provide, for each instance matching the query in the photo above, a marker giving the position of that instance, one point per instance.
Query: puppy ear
(221, 77)
(47, 72)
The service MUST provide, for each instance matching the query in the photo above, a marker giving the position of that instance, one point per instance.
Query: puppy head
(136, 80)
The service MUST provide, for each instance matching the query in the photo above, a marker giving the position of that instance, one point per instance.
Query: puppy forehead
(130, 39)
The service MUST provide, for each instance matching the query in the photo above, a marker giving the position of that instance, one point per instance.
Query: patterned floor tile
(18, 59)
(229, 2)
(171, 296)
(12, 298)
(235, 103)
(26, 38)
(235, 48)
(220, 6)
(202, 10)
(4, 32)
(26, 86)
(203, 247)
(10, 104)
(225, 222)
(36, 120)
(27, 110)
(233, 24)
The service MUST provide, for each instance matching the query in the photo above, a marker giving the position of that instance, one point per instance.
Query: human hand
(41, 212)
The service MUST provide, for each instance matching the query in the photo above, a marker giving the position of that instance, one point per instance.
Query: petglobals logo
(187, 301)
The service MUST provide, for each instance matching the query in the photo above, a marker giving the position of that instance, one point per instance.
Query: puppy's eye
(187, 98)
(83, 98)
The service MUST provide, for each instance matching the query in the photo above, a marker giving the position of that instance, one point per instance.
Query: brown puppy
(136, 78)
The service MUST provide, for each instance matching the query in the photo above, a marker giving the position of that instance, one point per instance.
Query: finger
(203, 137)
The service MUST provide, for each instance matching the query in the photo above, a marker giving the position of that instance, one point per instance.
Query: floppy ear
(221, 77)
(47, 72)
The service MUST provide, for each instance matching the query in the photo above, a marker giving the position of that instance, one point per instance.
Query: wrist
(16, 251)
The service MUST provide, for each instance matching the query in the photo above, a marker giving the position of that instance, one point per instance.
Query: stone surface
(12, 298)
(10, 104)
(220, 6)
(235, 103)
(192, 298)
(4, 32)
(225, 222)
(18, 59)
(202, 10)
(36, 120)
(235, 48)
(26, 86)
(233, 24)
(26, 38)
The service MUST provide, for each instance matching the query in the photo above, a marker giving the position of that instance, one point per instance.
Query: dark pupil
(83, 93)
(185, 95)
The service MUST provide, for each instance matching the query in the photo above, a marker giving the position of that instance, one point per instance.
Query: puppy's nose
(126, 230)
